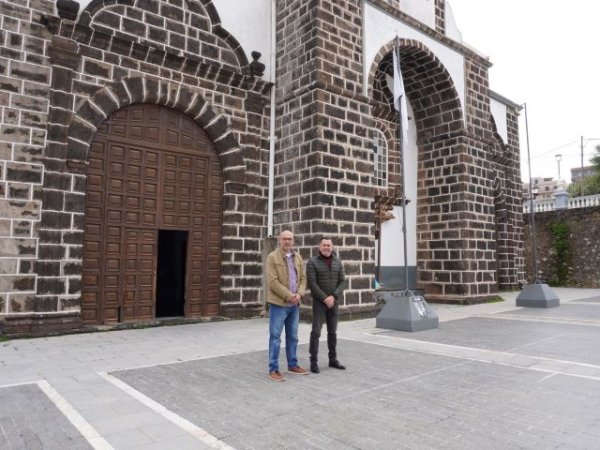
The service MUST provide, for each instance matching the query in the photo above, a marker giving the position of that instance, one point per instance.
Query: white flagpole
(401, 108)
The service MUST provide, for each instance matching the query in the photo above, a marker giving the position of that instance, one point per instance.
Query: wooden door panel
(150, 168)
(139, 288)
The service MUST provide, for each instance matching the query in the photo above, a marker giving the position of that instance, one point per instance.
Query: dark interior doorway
(170, 279)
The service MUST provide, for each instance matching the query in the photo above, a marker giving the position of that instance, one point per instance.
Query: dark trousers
(323, 314)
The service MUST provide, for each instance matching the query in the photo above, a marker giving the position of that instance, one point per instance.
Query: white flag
(399, 95)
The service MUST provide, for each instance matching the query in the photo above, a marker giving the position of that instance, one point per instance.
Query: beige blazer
(277, 277)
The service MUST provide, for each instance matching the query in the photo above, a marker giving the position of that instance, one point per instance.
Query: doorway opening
(170, 278)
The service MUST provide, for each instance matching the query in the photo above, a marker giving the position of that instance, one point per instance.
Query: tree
(591, 184)
(596, 160)
(595, 179)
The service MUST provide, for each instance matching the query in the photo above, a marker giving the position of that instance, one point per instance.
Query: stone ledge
(39, 325)
(463, 300)
(36, 325)
(242, 310)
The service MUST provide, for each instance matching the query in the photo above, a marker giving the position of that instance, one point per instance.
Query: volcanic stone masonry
(80, 216)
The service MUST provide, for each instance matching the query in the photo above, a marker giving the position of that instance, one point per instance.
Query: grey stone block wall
(25, 78)
(582, 254)
(61, 79)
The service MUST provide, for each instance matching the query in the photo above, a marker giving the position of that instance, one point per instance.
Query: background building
(151, 148)
(588, 171)
(543, 188)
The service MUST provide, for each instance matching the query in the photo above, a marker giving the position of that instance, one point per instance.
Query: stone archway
(438, 124)
(428, 85)
(152, 234)
(93, 112)
(129, 91)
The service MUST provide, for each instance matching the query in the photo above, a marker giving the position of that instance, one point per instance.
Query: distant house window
(380, 159)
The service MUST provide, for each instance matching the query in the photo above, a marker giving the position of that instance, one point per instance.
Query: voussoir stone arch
(428, 86)
(197, 15)
(128, 91)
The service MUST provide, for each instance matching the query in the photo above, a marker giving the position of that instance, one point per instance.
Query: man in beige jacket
(286, 283)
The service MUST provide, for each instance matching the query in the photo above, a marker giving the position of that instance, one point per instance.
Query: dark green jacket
(324, 281)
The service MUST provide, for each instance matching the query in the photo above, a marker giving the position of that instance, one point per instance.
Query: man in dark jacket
(327, 281)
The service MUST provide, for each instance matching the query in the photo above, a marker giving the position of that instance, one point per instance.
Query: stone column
(323, 166)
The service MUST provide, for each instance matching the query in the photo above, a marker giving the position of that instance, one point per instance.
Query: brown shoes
(276, 376)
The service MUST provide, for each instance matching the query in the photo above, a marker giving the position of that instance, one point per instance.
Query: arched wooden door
(154, 182)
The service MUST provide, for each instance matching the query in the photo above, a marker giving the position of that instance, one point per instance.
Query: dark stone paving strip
(584, 312)
(588, 300)
(387, 399)
(29, 420)
(569, 342)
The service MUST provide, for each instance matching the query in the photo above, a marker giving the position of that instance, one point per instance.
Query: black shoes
(336, 365)
(314, 367)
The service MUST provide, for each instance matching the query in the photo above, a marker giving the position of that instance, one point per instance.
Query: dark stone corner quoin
(67, 9)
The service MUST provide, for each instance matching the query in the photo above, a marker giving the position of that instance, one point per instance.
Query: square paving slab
(587, 311)
(387, 399)
(29, 420)
(565, 341)
(590, 300)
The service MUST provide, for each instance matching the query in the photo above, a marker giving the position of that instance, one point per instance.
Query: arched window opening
(380, 160)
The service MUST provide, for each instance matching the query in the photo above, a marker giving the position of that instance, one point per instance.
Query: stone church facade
(148, 158)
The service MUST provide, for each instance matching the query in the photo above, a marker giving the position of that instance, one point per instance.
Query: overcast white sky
(545, 53)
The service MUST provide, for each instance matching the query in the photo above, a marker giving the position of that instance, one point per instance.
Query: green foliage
(591, 184)
(596, 161)
(560, 245)
(595, 179)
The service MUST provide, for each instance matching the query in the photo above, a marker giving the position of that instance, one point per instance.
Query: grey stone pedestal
(405, 312)
(537, 295)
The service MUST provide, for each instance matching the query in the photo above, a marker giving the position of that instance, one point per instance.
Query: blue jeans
(280, 316)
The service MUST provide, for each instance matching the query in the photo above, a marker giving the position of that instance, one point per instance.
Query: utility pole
(536, 294)
(582, 182)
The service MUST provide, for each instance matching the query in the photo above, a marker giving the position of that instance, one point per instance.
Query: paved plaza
(491, 376)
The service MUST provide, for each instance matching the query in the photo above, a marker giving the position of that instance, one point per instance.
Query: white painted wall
(498, 111)
(380, 28)
(422, 10)
(452, 30)
(83, 4)
(249, 21)
(392, 251)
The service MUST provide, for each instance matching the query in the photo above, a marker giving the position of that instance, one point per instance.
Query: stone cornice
(505, 100)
